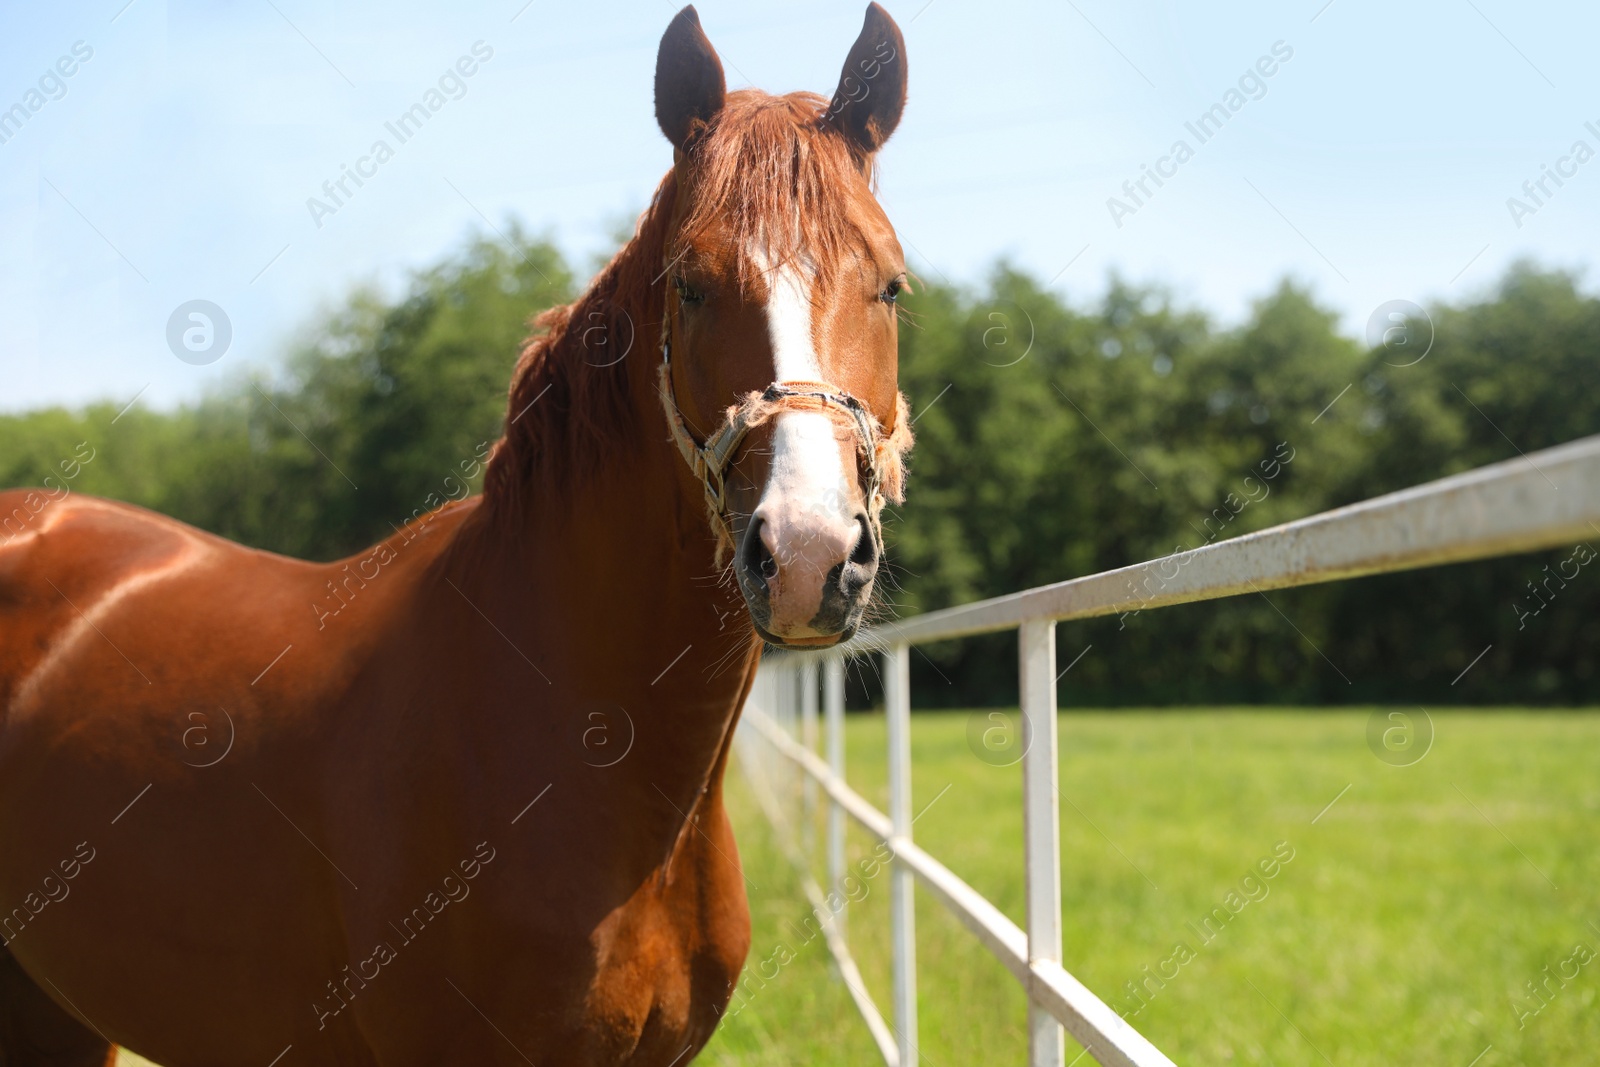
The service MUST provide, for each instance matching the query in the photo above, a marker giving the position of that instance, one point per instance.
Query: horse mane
(768, 169)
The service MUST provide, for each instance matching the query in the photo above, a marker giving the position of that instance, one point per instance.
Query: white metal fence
(1545, 500)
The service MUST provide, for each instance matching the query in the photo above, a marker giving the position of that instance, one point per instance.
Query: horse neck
(612, 576)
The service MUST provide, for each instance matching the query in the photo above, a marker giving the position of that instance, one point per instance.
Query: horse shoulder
(79, 567)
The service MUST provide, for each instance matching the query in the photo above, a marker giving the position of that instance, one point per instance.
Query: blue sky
(175, 163)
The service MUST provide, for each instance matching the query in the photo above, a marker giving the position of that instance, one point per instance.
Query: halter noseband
(880, 453)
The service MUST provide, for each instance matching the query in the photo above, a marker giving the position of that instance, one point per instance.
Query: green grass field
(1404, 930)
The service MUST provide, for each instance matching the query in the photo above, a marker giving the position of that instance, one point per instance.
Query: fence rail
(1543, 500)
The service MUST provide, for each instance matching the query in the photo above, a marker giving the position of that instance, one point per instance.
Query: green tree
(1053, 441)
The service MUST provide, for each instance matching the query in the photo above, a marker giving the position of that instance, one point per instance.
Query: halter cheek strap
(879, 453)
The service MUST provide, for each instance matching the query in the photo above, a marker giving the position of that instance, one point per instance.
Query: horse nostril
(758, 559)
(865, 554)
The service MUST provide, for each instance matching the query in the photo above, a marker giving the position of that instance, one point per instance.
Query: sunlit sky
(176, 161)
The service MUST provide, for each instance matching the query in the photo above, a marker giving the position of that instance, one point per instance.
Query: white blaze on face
(808, 457)
(809, 504)
(789, 323)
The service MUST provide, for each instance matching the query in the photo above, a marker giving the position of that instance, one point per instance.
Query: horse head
(778, 373)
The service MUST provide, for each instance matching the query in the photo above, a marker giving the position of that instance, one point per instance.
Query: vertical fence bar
(902, 916)
(1041, 827)
(777, 776)
(833, 731)
(781, 679)
(808, 738)
(759, 697)
(787, 695)
(763, 689)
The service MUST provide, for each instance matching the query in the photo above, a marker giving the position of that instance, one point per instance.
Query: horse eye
(891, 291)
(686, 292)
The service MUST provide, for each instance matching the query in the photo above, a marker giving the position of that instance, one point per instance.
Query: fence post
(808, 738)
(902, 916)
(833, 722)
(1041, 827)
(788, 696)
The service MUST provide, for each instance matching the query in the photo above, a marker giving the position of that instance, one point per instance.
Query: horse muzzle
(806, 573)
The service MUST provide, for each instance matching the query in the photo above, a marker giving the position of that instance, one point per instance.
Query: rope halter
(880, 454)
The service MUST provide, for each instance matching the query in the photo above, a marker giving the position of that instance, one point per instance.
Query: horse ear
(872, 88)
(690, 87)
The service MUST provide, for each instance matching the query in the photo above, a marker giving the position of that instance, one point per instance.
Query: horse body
(458, 799)
(601, 923)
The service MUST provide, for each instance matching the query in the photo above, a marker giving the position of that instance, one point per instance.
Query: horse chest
(671, 956)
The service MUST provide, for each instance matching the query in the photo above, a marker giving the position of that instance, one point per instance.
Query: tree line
(1054, 439)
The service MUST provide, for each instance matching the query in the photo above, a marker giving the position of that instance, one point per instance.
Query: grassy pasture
(1406, 928)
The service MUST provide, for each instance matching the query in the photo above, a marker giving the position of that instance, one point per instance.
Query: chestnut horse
(458, 799)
